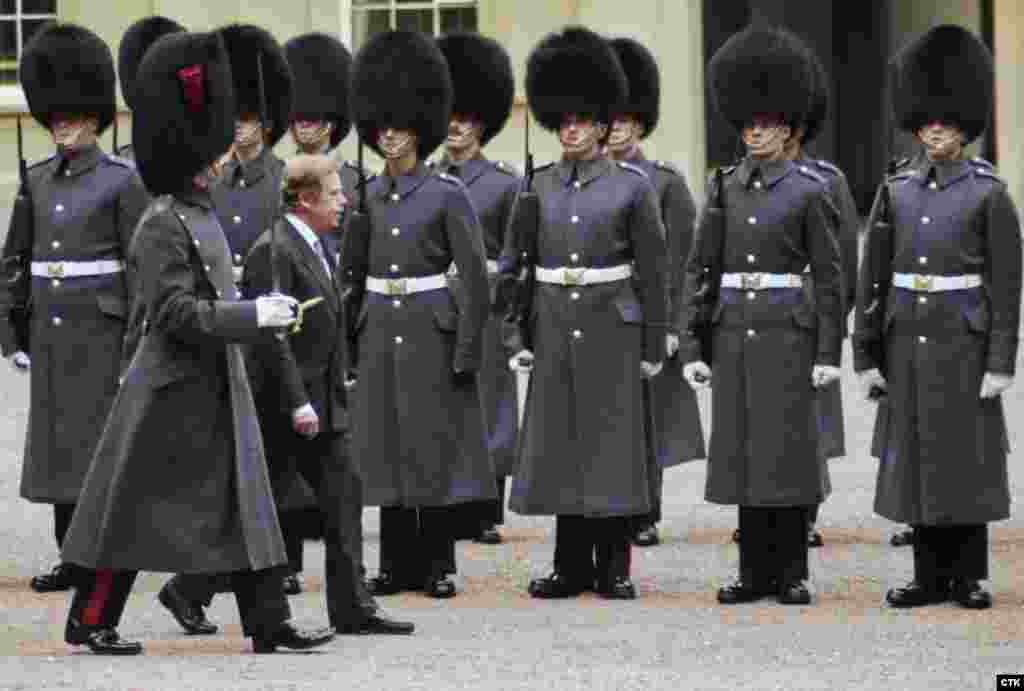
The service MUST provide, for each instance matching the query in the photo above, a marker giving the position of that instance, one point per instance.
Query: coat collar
(586, 170)
(945, 173)
(82, 162)
(770, 172)
(404, 185)
(251, 172)
(469, 172)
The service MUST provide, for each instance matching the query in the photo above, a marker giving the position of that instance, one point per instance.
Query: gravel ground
(493, 636)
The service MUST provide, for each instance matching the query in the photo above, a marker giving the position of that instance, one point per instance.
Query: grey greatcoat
(583, 445)
(83, 209)
(179, 482)
(417, 433)
(942, 449)
(245, 199)
(765, 440)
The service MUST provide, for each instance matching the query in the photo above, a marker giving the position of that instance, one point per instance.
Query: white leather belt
(100, 267)
(933, 284)
(761, 281)
(237, 272)
(492, 268)
(581, 276)
(406, 286)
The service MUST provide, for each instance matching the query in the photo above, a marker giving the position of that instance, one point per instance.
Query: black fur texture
(243, 43)
(320, 65)
(644, 82)
(134, 44)
(482, 77)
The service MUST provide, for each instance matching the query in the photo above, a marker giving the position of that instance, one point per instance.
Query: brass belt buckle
(395, 286)
(55, 269)
(750, 281)
(572, 277)
(922, 282)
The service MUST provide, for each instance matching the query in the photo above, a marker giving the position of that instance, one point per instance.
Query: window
(19, 19)
(434, 17)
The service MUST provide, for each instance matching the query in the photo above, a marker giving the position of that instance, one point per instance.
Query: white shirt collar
(306, 232)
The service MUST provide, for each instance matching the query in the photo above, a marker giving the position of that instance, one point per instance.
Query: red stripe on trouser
(104, 581)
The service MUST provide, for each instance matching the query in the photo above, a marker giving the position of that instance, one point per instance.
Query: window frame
(18, 18)
(349, 9)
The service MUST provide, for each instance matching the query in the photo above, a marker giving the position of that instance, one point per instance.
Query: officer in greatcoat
(597, 326)
(417, 425)
(484, 86)
(771, 344)
(179, 481)
(941, 343)
(66, 289)
(677, 427)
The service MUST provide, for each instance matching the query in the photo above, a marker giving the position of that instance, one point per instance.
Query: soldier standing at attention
(484, 87)
(771, 344)
(596, 328)
(678, 433)
(66, 291)
(417, 429)
(941, 342)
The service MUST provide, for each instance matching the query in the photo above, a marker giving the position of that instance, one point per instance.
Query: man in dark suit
(299, 384)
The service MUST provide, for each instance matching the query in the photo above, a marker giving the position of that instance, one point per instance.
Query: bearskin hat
(244, 42)
(185, 115)
(644, 82)
(761, 71)
(820, 98)
(574, 72)
(482, 78)
(944, 75)
(400, 79)
(320, 65)
(134, 44)
(65, 68)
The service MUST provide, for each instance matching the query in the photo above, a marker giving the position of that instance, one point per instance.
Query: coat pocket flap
(630, 311)
(113, 305)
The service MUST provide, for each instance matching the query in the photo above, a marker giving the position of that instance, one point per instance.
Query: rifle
(711, 243)
(524, 229)
(275, 201)
(355, 261)
(114, 129)
(878, 255)
(18, 254)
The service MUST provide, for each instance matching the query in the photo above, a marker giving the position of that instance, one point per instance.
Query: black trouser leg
(790, 544)
(99, 601)
(399, 540)
(262, 606)
(291, 530)
(967, 552)
(612, 547)
(756, 559)
(496, 516)
(930, 567)
(62, 514)
(437, 546)
(200, 587)
(574, 549)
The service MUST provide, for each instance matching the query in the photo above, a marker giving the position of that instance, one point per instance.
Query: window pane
(8, 41)
(7, 7)
(39, 6)
(30, 26)
(367, 23)
(416, 20)
(458, 19)
(378, 3)
(8, 76)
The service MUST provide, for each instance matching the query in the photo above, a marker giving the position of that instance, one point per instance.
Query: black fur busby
(65, 68)
(244, 42)
(644, 82)
(482, 78)
(945, 75)
(185, 116)
(320, 65)
(134, 44)
(400, 79)
(574, 72)
(820, 99)
(760, 71)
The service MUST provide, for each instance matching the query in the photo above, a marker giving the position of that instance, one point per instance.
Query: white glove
(993, 384)
(823, 375)
(20, 361)
(697, 374)
(276, 311)
(305, 421)
(521, 362)
(871, 382)
(651, 369)
(671, 344)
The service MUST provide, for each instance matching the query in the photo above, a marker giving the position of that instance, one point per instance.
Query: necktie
(318, 247)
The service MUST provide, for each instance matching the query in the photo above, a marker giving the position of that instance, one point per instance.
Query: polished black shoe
(59, 579)
(740, 591)
(814, 538)
(440, 588)
(646, 537)
(555, 586)
(618, 589)
(376, 623)
(794, 594)
(969, 593)
(385, 584)
(189, 615)
(288, 636)
(736, 536)
(489, 536)
(916, 595)
(105, 642)
(292, 585)
(903, 538)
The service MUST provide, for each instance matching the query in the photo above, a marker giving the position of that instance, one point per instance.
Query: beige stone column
(1009, 56)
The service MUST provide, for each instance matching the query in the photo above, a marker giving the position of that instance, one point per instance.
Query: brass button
(757, 184)
(933, 185)
(574, 295)
(751, 333)
(55, 244)
(395, 197)
(577, 334)
(577, 184)
(922, 260)
(922, 299)
(752, 220)
(394, 268)
(751, 295)
(396, 303)
(55, 283)
(922, 339)
(395, 231)
(238, 258)
(241, 183)
(57, 321)
(926, 220)
(59, 208)
(575, 219)
(207, 267)
(751, 259)
(574, 257)
(398, 340)
(237, 219)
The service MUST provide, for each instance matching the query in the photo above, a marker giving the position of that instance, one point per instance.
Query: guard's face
(766, 136)
(247, 131)
(580, 135)
(72, 131)
(311, 135)
(463, 132)
(394, 143)
(324, 211)
(941, 141)
(626, 132)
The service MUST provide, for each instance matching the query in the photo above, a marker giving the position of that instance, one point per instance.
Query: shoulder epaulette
(451, 179)
(668, 167)
(806, 171)
(899, 163)
(902, 175)
(633, 169)
(728, 170)
(979, 161)
(507, 168)
(828, 167)
(431, 165)
(546, 166)
(42, 162)
(123, 162)
(989, 173)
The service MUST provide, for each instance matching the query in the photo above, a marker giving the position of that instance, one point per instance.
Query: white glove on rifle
(20, 361)
(872, 382)
(671, 345)
(697, 374)
(276, 311)
(521, 362)
(305, 421)
(651, 369)
(993, 384)
(823, 375)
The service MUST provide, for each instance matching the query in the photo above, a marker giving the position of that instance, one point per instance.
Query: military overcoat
(942, 449)
(179, 481)
(417, 433)
(583, 445)
(765, 448)
(84, 209)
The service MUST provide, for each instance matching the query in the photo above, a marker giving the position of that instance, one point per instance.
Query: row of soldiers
(603, 286)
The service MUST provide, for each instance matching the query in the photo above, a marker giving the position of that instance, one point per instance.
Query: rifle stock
(525, 226)
(355, 259)
(879, 253)
(711, 238)
(18, 254)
